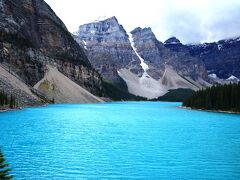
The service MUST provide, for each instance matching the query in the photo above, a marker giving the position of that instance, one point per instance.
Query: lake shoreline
(207, 110)
(2, 110)
(7, 108)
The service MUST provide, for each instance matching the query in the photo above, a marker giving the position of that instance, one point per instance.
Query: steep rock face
(158, 55)
(31, 36)
(221, 58)
(35, 22)
(150, 49)
(108, 48)
(183, 62)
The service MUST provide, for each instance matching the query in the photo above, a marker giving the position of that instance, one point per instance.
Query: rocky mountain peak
(175, 44)
(105, 18)
(172, 40)
(101, 27)
(146, 32)
(108, 47)
(143, 33)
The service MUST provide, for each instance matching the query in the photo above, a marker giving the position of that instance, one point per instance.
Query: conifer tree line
(4, 170)
(6, 100)
(218, 97)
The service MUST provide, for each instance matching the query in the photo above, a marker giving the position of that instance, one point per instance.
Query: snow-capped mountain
(214, 79)
(232, 78)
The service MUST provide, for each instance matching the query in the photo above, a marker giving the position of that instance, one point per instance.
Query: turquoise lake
(125, 140)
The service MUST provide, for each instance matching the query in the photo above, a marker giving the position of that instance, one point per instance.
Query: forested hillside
(219, 97)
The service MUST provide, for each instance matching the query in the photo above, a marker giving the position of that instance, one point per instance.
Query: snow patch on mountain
(85, 44)
(143, 64)
(219, 47)
(232, 77)
(215, 79)
(172, 43)
(214, 76)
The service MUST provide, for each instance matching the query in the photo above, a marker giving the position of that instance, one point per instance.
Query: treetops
(218, 97)
(4, 170)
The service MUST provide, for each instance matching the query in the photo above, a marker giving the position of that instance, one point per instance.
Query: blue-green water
(144, 140)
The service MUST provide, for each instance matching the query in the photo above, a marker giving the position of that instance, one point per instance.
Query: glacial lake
(125, 140)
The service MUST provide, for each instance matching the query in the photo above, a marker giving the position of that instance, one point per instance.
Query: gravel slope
(62, 89)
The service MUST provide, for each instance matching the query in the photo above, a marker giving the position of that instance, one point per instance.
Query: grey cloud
(194, 27)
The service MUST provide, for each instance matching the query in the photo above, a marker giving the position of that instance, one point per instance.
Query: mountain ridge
(137, 54)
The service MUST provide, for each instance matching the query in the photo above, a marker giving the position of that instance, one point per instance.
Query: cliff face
(108, 48)
(158, 55)
(182, 60)
(150, 49)
(34, 22)
(31, 36)
(221, 58)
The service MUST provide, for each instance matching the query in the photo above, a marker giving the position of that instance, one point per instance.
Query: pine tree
(53, 100)
(12, 102)
(4, 170)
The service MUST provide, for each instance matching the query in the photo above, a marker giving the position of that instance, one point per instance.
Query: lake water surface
(129, 140)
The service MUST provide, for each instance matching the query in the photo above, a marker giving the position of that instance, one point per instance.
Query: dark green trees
(4, 170)
(5, 100)
(220, 97)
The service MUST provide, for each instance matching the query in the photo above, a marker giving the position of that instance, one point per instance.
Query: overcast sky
(191, 21)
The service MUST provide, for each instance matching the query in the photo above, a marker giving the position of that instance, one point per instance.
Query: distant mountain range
(151, 68)
(40, 59)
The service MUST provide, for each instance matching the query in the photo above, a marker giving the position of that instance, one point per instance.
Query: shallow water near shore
(125, 140)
